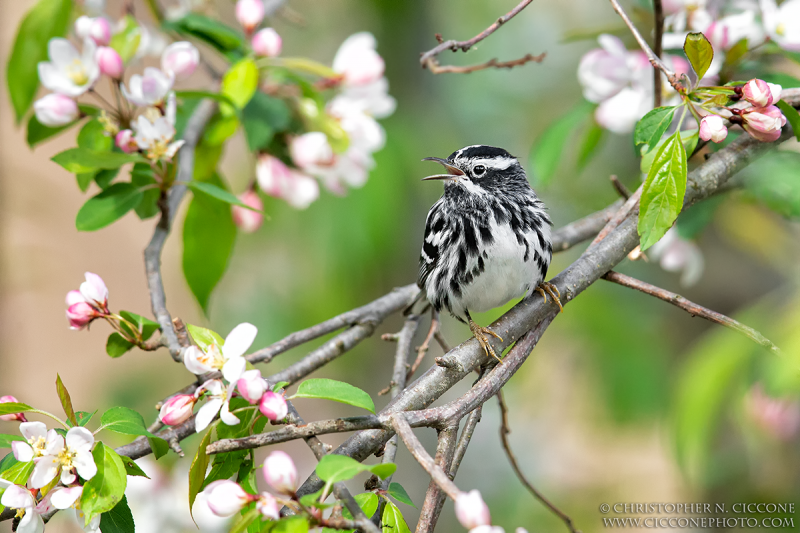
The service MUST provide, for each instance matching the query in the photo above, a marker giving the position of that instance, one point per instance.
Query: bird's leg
(479, 332)
(546, 288)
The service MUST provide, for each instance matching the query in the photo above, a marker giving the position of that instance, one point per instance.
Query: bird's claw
(480, 333)
(546, 288)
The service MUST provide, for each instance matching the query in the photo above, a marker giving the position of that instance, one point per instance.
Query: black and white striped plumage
(487, 239)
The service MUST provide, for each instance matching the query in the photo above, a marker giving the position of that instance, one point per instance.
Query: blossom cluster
(59, 463)
(473, 513)
(228, 359)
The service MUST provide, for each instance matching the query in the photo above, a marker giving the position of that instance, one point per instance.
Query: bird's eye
(479, 170)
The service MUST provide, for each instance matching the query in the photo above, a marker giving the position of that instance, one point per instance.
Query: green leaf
(15, 472)
(197, 472)
(38, 132)
(144, 326)
(279, 385)
(224, 38)
(204, 337)
(700, 53)
(10, 408)
(241, 522)
(293, 524)
(338, 391)
(334, 468)
(142, 176)
(262, 117)
(397, 492)
(108, 206)
(239, 84)
(107, 488)
(735, 54)
(84, 417)
(47, 19)
(93, 137)
(219, 97)
(82, 160)
(663, 192)
(546, 152)
(119, 519)
(6, 440)
(651, 128)
(103, 178)
(792, 116)
(208, 237)
(368, 501)
(66, 401)
(221, 128)
(117, 345)
(773, 181)
(393, 521)
(589, 144)
(225, 466)
(126, 42)
(132, 468)
(218, 193)
(159, 446)
(125, 421)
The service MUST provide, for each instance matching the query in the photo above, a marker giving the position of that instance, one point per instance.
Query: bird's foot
(479, 332)
(546, 288)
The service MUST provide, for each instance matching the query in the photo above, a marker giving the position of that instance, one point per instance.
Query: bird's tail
(418, 306)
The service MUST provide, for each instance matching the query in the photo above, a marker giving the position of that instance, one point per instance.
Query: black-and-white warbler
(487, 239)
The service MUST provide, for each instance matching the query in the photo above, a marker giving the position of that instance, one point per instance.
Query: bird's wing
(435, 232)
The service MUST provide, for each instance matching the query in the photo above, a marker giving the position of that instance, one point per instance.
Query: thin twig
(658, 14)
(621, 189)
(423, 348)
(654, 59)
(428, 59)
(505, 429)
(463, 441)
(692, 308)
(436, 68)
(631, 205)
(434, 496)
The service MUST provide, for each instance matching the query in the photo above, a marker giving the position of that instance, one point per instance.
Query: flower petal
(22, 451)
(33, 430)
(207, 413)
(62, 53)
(63, 498)
(191, 358)
(80, 439)
(234, 368)
(84, 464)
(239, 340)
(68, 477)
(45, 471)
(31, 523)
(17, 497)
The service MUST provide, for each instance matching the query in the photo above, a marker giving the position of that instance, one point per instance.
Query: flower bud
(268, 506)
(12, 416)
(712, 128)
(311, 149)
(80, 314)
(94, 290)
(83, 25)
(110, 62)
(471, 510)
(758, 93)
(250, 13)
(124, 141)
(100, 31)
(226, 498)
(357, 61)
(273, 406)
(247, 220)
(177, 409)
(56, 110)
(267, 43)
(180, 59)
(280, 473)
(490, 529)
(764, 123)
(252, 386)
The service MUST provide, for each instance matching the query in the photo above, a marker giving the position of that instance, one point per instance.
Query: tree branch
(505, 429)
(428, 59)
(658, 33)
(434, 497)
(692, 308)
(463, 441)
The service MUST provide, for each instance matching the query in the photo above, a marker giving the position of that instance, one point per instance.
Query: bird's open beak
(452, 171)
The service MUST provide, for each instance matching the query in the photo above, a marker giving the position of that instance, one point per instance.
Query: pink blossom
(778, 416)
(125, 141)
(273, 406)
(248, 220)
(783, 23)
(252, 386)
(280, 473)
(100, 31)
(267, 43)
(311, 150)
(226, 498)
(80, 314)
(764, 123)
(759, 93)
(712, 128)
(56, 110)
(180, 59)
(268, 506)
(250, 13)
(110, 62)
(177, 409)
(13, 416)
(278, 180)
(471, 510)
(357, 61)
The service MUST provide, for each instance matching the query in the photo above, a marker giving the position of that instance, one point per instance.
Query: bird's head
(480, 169)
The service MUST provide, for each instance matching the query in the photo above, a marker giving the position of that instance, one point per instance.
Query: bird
(487, 239)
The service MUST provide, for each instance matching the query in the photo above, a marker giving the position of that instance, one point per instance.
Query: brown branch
(433, 65)
(505, 429)
(658, 14)
(654, 59)
(630, 205)
(692, 308)
(423, 348)
(583, 229)
(428, 59)
(621, 189)
(463, 441)
(434, 497)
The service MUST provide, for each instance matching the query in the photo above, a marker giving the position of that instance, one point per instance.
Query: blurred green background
(626, 399)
